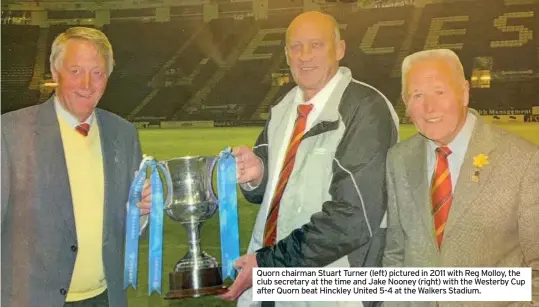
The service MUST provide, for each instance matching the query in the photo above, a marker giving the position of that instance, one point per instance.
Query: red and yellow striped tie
(441, 192)
(299, 129)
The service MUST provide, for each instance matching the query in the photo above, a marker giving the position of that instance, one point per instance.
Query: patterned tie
(288, 165)
(441, 192)
(83, 128)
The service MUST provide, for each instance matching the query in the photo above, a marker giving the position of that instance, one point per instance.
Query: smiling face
(82, 78)
(312, 51)
(436, 98)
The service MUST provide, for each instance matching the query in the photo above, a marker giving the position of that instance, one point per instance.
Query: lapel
(483, 141)
(280, 117)
(54, 191)
(417, 172)
(329, 117)
(53, 168)
(330, 113)
(109, 150)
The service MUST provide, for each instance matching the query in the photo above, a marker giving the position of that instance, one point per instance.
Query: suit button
(63, 291)
(74, 248)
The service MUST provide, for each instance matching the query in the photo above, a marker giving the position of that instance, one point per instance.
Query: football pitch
(165, 144)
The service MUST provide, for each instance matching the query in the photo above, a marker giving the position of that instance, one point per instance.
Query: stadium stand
(138, 60)
(234, 67)
(220, 60)
(19, 45)
(511, 96)
(255, 62)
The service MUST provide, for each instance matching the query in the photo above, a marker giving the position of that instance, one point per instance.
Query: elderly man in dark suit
(66, 171)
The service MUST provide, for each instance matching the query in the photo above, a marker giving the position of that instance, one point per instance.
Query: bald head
(313, 51)
(322, 20)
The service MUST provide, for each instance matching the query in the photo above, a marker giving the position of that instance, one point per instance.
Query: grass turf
(165, 144)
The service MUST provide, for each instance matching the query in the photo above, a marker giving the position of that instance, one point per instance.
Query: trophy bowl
(191, 201)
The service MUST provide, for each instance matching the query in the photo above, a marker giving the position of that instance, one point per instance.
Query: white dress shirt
(458, 147)
(68, 117)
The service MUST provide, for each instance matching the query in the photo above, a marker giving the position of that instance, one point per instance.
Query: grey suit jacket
(491, 223)
(39, 241)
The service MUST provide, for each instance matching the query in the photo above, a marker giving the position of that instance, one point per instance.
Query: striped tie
(288, 165)
(441, 192)
(83, 128)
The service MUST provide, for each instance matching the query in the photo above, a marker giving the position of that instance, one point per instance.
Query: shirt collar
(70, 119)
(460, 142)
(322, 96)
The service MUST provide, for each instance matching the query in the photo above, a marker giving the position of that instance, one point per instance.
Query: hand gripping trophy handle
(191, 200)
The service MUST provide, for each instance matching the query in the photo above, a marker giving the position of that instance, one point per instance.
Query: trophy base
(193, 293)
(195, 283)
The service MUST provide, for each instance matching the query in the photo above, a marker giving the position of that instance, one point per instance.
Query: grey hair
(445, 54)
(96, 37)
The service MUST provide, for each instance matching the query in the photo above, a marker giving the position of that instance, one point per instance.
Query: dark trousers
(102, 300)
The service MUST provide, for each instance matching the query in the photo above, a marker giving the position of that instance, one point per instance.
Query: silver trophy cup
(191, 201)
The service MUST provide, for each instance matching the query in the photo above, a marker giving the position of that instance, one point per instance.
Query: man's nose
(86, 81)
(428, 104)
(306, 53)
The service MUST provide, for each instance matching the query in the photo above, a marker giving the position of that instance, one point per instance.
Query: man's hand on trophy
(250, 167)
(244, 281)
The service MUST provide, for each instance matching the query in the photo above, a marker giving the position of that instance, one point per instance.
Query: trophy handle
(211, 171)
(168, 181)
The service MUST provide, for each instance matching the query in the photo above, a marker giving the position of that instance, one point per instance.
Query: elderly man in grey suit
(67, 167)
(462, 193)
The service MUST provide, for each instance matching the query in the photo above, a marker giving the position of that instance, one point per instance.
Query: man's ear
(340, 49)
(406, 106)
(466, 93)
(54, 74)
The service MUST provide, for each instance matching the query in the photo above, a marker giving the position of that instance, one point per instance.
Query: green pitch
(165, 144)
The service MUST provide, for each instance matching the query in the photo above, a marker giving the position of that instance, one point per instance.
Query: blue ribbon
(228, 212)
(155, 263)
(228, 219)
(156, 227)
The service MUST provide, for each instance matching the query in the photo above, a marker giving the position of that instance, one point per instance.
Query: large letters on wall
(368, 40)
(524, 34)
(258, 41)
(437, 30)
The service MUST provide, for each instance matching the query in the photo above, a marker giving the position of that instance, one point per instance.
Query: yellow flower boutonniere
(479, 161)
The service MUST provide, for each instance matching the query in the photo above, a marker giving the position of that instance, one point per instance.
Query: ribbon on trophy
(228, 212)
(228, 219)
(156, 226)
